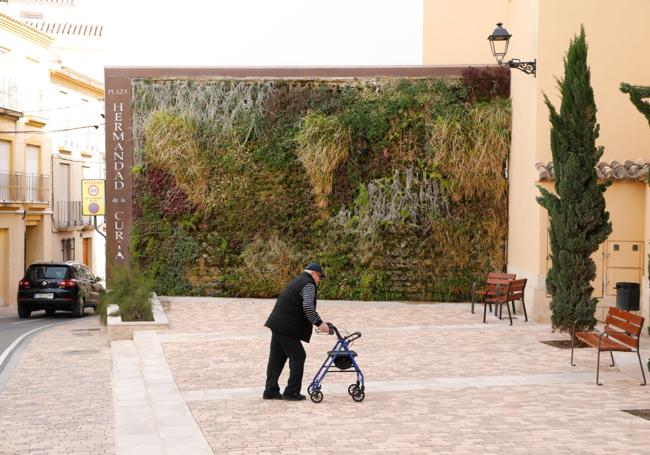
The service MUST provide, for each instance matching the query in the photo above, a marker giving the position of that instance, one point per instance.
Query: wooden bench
(517, 291)
(621, 333)
(489, 286)
(497, 293)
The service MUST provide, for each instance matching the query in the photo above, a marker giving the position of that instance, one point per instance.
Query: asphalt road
(15, 334)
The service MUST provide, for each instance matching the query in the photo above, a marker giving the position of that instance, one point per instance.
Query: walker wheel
(309, 389)
(358, 395)
(317, 396)
(351, 389)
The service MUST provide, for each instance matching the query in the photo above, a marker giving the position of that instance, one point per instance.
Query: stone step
(150, 412)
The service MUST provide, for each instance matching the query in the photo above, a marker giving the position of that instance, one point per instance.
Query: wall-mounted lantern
(499, 40)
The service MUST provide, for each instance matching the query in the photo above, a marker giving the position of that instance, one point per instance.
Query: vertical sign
(119, 159)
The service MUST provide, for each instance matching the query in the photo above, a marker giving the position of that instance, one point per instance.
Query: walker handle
(334, 330)
(351, 337)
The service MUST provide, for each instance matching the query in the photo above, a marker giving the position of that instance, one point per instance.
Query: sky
(263, 32)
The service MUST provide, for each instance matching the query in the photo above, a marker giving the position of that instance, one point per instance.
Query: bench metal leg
(473, 297)
(514, 311)
(484, 311)
(573, 342)
(509, 314)
(523, 304)
(641, 365)
(611, 354)
(598, 367)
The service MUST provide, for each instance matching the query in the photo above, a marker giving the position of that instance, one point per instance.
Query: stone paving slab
(58, 398)
(525, 419)
(438, 381)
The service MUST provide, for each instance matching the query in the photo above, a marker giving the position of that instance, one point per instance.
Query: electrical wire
(73, 106)
(53, 131)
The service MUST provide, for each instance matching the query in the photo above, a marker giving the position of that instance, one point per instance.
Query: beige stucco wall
(13, 215)
(455, 33)
(624, 132)
(619, 43)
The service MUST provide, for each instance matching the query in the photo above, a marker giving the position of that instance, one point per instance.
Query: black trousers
(285, 347)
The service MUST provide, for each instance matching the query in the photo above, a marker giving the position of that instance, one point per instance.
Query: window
(44, 272)
(67, 249)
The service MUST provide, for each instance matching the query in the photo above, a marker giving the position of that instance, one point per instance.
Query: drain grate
(85, 330)
(81, 351)
(565, 344)
(643, 413)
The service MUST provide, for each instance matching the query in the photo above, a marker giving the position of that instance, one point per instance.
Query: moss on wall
(395, 185)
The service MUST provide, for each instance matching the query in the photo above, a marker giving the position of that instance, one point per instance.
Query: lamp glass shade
(499, 40)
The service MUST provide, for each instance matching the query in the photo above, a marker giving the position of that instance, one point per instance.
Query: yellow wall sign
(92, 196)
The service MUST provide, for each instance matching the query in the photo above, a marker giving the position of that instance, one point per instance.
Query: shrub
(130, 290)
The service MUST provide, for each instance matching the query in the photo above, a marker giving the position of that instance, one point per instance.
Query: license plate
(48, 295)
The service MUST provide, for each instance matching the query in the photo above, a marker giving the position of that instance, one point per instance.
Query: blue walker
(343, 359)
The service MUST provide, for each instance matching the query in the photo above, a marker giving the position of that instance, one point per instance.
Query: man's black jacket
(288, 316)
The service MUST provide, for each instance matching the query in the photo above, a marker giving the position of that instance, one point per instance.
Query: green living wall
(396, 186)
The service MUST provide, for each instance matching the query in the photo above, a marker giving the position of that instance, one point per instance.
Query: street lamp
(499, 40)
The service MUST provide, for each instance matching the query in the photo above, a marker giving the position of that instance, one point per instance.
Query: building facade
(50, 138)
(542, 30)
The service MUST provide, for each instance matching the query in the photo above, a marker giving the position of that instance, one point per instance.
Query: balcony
(8, 94)
(67, 215)
(16, 97)
(19, 187)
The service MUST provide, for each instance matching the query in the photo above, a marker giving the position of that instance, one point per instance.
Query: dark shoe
(294, 397)
(272, 396)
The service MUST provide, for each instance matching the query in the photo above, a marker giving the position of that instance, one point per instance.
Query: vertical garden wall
(396, 185)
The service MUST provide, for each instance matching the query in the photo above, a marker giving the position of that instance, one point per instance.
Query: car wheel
(24, 312)
(50, 311)
(78, 310)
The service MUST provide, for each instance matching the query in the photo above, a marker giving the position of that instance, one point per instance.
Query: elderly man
(291, 321)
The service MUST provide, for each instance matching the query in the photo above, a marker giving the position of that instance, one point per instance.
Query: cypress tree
(579, 222)
(637, 94)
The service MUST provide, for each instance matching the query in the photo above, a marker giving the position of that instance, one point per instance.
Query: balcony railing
(19, 187)
(67, 214)
(8, 93)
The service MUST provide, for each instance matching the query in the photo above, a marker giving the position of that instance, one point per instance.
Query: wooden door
(86, 252)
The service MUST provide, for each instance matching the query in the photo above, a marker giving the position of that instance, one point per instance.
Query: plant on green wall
(579, 222)
(323, 145)
(395, 185)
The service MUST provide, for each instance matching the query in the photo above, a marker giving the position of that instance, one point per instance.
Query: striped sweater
(308, 295)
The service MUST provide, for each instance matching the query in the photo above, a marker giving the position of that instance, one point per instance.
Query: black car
(52, 286)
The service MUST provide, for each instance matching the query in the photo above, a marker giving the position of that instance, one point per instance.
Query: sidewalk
(58, 399)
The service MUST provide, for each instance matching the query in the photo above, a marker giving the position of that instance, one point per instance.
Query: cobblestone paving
(217, 344)
(58, 399)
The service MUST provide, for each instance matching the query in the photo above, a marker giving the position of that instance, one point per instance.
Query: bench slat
(627, 316)
(591, 338)
(623, 325)
(623, 338)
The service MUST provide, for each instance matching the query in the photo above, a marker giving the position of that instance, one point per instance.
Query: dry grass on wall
(323, 145)
(206, 176)
(471, 150)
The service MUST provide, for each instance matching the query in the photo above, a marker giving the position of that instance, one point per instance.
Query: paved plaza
(438, 380)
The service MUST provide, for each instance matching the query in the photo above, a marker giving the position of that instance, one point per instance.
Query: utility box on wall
(623, 263)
